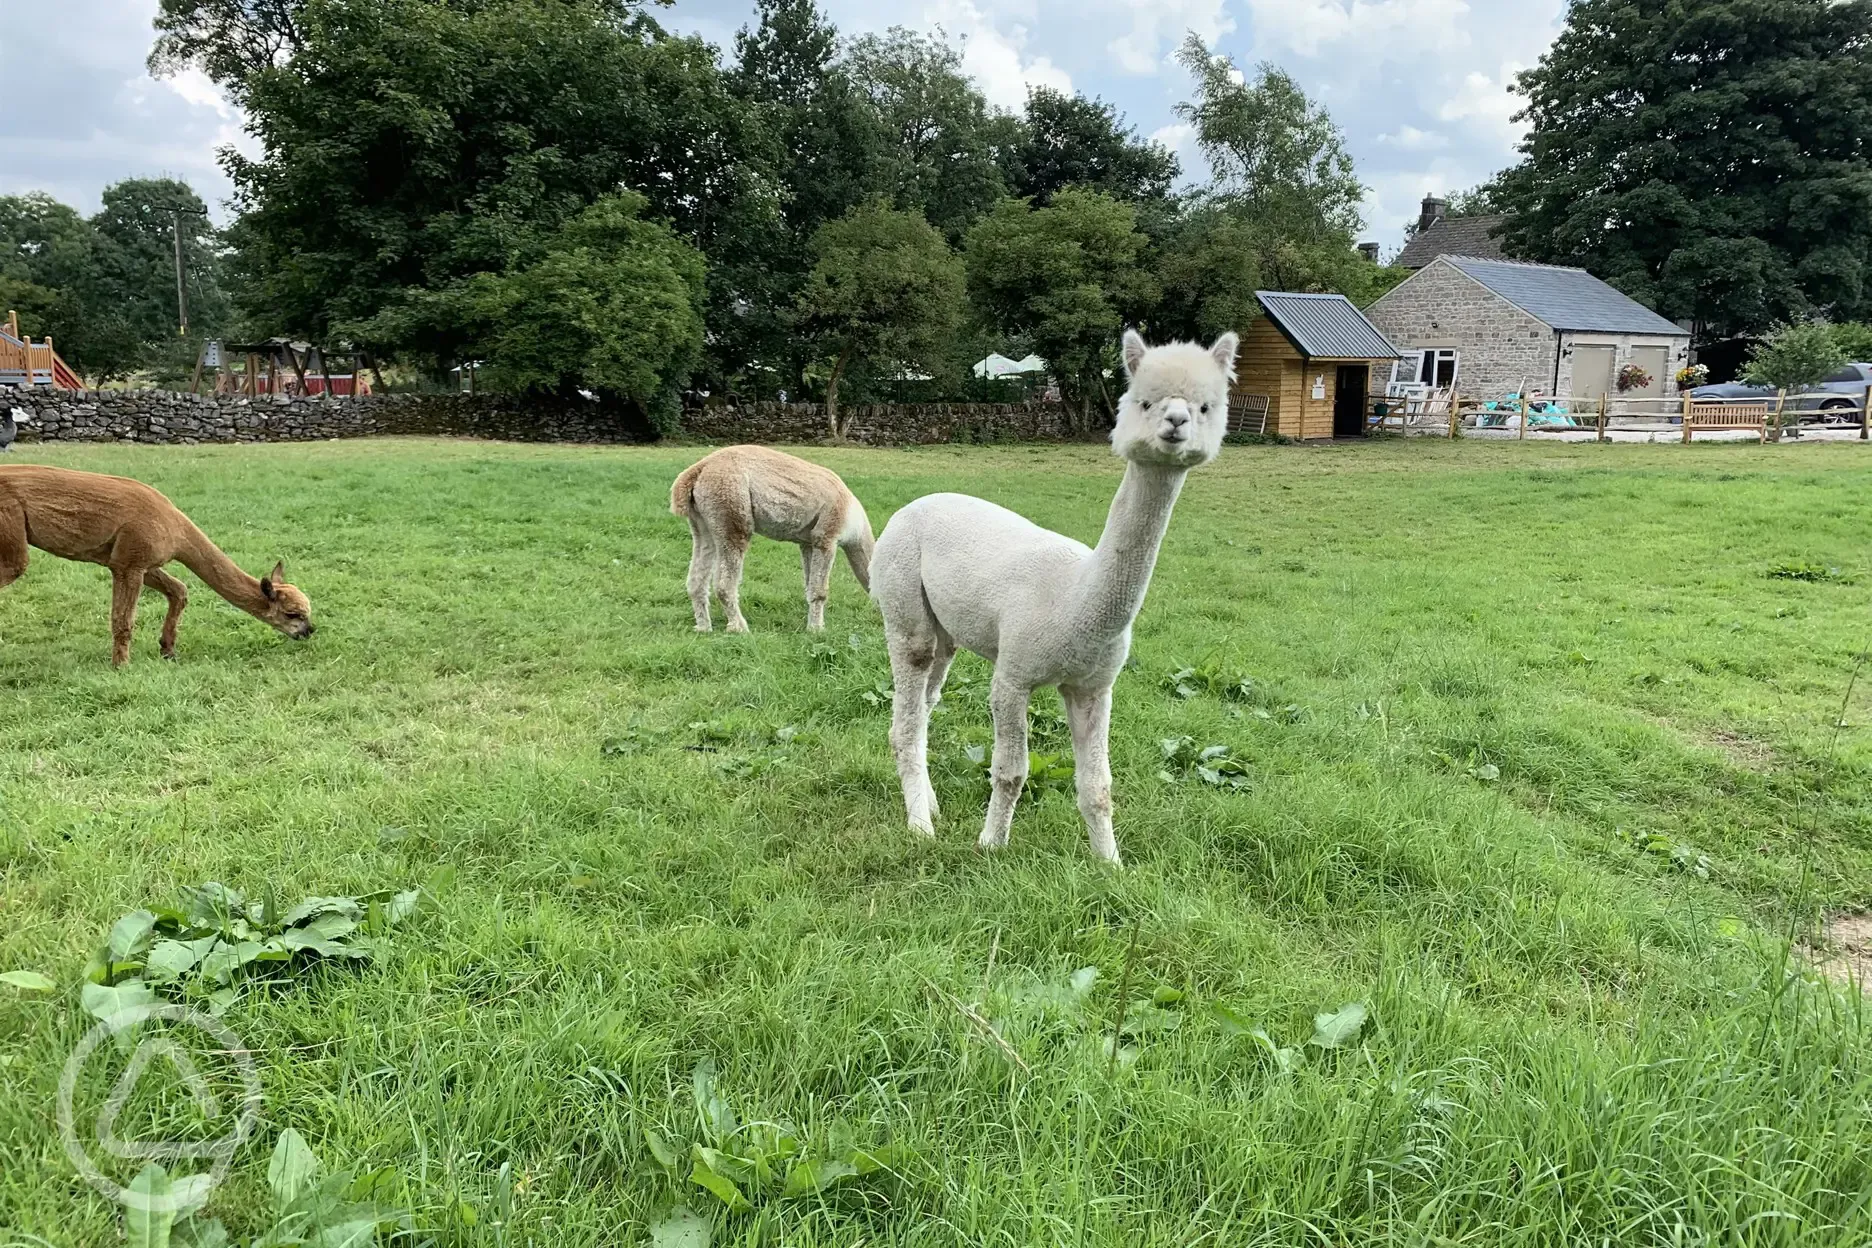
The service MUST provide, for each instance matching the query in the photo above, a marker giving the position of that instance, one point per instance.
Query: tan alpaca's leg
(177, 594)
(729, 555)
(912, 658)
(126, 584)
(701, 565)
(1090, 715)
(817, 562)
(1009, 769)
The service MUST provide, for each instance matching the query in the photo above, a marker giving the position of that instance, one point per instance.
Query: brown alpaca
(742, 490)
(133, 531)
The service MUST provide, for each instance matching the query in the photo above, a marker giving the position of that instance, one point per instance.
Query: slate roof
(1566, 298)
(1326, 327)
(1454, 236)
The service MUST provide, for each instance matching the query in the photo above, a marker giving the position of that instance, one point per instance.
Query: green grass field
(1544, 771)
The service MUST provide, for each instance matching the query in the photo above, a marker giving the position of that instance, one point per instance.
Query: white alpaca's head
(1175, 410)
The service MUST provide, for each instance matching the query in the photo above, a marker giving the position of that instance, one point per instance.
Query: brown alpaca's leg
(126, 584)
(177, 594)
(13, 549)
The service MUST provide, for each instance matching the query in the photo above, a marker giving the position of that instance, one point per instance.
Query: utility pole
(181, 283)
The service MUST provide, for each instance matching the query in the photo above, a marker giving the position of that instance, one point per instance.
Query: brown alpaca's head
(287, 610)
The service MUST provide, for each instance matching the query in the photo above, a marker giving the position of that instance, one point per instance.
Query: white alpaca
(739, 491)
(953, 571)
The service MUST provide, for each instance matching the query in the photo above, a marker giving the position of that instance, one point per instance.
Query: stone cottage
(1497, 327)
(1439, 234)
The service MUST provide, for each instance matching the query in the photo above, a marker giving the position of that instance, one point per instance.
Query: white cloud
(994, 58)
(1485, 103)
(1382, 28)
(1157, 28)
(1410, 139)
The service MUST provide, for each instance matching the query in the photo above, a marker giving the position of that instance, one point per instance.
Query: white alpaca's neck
(1113, 580)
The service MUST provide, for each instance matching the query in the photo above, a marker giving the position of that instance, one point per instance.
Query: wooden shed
(1307, 363)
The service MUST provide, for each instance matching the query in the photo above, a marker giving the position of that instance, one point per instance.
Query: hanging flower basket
(1632, 377)
(1693, 376)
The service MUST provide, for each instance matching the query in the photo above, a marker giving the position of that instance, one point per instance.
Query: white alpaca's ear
(1224, 353)
(1134, 349)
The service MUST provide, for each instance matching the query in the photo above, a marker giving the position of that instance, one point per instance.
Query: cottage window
(1432, 368)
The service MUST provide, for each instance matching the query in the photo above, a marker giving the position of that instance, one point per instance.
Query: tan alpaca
(133, 531)
(742, 490)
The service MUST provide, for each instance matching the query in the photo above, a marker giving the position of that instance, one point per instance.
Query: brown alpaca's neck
(222, 574)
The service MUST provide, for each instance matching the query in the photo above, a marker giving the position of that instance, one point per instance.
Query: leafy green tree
(229, 40)
(139, 228)
(410, 144)
(1282, 178)
(1069, 140)
(1855, 339)
(1795, 356)
(1708, 157)
(824, 142)
(884, 286)
(1065, 278)
(614, 304)
(942, 148)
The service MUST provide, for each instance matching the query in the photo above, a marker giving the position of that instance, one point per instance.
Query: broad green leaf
(721, 1186)
(1212, 753)
(1082, 981)
(1340, 1027)
(681, 1227)
(402, 906)
(27, 981)
(880, 1157)
(1233, 1022)
(107, 1003)
(202, 1234)
(148, 1215)
(717, 1115)
(311, 906)
(812, 1176)
(221, 999)
(213, 905)
(169, 960)
(1166, 995)
(130, 935)
(666, 1154)
(353, 1232)
(740, 1169)
(304, 938)
(292, 1168)
(331, 926)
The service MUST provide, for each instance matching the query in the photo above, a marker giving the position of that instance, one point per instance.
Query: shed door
(1592, 372)
(1654, 360)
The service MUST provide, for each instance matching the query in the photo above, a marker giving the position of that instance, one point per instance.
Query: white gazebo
(998, 365)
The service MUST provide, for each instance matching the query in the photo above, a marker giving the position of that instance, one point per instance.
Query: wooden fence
(1445, 412)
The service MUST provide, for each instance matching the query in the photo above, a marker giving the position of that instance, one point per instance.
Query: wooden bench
(1719, 415)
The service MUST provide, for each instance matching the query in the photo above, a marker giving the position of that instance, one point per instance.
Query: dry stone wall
(162, 416)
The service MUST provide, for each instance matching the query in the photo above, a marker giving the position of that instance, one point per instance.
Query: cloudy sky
(1418, 86)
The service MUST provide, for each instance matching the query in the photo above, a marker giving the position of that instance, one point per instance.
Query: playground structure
(24, 362)
(278, 367)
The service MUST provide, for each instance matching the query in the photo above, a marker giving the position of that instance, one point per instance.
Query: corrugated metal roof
(1326, 327)
(1454, 236)
(1566, 298)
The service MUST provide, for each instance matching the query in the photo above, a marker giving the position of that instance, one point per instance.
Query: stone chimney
(1369, 251)
(1433, 209)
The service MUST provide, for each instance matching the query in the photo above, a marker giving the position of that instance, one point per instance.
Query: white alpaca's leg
(1009, 769)
(729, 556)
(911, 659)
(817, 562)
(1090, 715)
(938, 673)
(701, 566)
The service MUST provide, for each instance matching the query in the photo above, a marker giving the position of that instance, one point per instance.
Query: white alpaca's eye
(1147, 405)
(1205, 409)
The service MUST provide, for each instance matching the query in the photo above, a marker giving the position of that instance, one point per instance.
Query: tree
(229, 40)
(1282, 205)
(823, 141)
(884, 284)
(1708, 157)
(942, 148)
(1855, 339)
(1795, 356)
(1065, 278)
(409, 145)
(1070, 140)
(614, 304)
(140, 225)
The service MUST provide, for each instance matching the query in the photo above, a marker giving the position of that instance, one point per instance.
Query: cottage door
(1348, 413)
(1592, 374)
(1654, 360)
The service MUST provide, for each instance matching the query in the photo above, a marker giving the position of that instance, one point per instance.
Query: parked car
(1845, 389)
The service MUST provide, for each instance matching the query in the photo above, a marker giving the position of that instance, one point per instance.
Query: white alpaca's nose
(1176, 417)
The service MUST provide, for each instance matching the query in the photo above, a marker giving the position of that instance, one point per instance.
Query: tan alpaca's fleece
(741, 491)
(132, 530)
